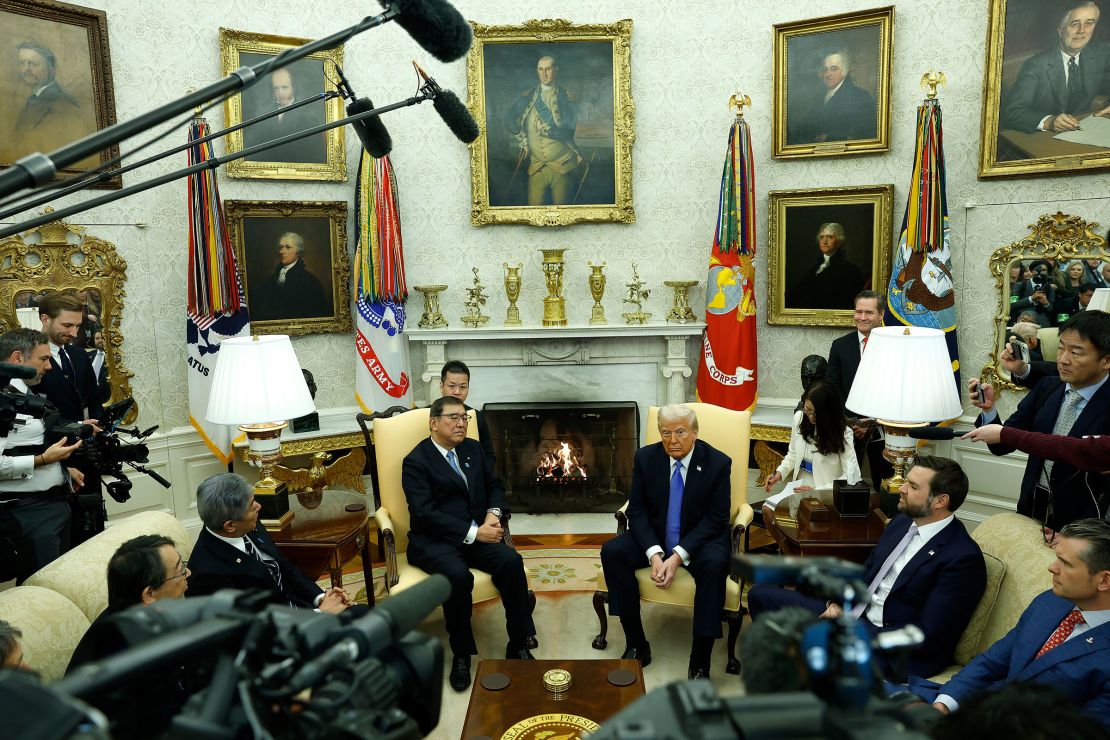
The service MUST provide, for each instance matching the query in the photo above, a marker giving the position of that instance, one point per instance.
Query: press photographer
(34, 487)
(70, 384)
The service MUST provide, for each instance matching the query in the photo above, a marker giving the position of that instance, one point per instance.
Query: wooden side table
(850, 538)
(328, 530)
(591, 695)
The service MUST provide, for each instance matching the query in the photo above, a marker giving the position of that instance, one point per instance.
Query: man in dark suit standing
(926, 571)
(1075, 403)
(454, 381)
(235, 551)
(450, 489)
(844, 358)
(1057, 87)
(843, 112)
(1062, 640)
(70, 383)
(677, 517)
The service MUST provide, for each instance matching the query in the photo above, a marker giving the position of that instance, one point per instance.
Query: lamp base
(274, 500)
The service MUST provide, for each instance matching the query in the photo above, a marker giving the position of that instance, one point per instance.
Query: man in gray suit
(1055, 88)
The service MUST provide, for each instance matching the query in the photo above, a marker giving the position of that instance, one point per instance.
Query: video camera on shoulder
(13, 402)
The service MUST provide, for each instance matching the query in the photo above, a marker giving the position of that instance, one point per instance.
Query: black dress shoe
(698, 673)
(512, 653)
(642, 654)
(459, 677)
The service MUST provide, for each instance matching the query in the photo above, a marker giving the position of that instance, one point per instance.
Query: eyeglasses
(455, 418)
(184, 572)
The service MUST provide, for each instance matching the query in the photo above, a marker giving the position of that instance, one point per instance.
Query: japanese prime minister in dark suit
(677, 517)
(455, 506)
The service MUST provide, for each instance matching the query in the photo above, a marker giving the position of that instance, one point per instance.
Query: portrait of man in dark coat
(291, 292)
(841, 111)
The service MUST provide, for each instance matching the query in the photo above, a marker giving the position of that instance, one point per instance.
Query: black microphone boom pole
(434, 24)
(200, 167)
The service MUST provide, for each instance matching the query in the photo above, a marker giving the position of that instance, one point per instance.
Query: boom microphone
(450, 109)
(435, 25)
(939, 433)
(371, 131)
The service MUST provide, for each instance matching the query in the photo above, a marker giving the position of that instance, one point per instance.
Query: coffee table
(850, 538)
(329, 529)
(491, 713)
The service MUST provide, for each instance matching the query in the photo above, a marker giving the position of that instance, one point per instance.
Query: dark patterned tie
(271, 565)
(1076, 104)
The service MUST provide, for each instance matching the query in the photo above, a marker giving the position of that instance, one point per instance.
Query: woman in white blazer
(821, 444)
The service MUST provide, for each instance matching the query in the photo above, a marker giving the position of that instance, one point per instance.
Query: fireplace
(564, 457)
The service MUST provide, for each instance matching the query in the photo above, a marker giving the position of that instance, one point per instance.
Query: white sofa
(56, 605)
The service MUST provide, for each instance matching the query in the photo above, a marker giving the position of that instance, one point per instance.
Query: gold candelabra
(475, 299)
(554, 305)
(432, 317)
(636, 296)
(681, 312)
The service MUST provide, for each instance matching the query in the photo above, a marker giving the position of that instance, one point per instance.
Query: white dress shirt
(682, 554)
(925, 533)
(284, 271)
(17, 474)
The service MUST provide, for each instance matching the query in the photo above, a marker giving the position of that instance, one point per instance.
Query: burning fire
(561, 464)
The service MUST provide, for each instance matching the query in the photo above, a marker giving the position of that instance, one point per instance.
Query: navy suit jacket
(1076, 494)
(215, 565)
(1079, 668)
(441, 506)
(706, 498)
(71, 398)
(937, 590)
(1040, 89)
(844, 357)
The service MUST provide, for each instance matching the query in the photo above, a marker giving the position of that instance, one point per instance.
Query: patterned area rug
(548, 570)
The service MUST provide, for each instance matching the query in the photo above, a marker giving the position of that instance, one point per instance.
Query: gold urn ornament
(597, 292)
(554, 305)
(512, 292)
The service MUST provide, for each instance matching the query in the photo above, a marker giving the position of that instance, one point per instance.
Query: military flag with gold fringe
(922, 287)
(727, 370)
(216, 307)
(382, 362)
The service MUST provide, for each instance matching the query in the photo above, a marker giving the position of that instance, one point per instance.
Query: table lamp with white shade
(1100, 301)
(904, 380)
(258, 386)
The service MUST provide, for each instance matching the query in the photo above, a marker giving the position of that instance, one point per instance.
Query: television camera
(105, 453)
(260, 670)
(844, 697)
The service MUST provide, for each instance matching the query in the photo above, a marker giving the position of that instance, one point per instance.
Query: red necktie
(1066, 628)
(863, 346)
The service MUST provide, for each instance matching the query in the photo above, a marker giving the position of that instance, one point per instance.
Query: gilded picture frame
(290, 290)
(322, 157)
(65, 257)
(831, 91)
(1025, 82)
(576, 166)
(803, 287)
(69, 73)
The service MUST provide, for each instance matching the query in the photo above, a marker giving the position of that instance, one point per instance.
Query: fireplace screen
(564, 457)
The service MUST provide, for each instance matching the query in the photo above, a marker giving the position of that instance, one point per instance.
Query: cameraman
(34, 487)
(1036, 295)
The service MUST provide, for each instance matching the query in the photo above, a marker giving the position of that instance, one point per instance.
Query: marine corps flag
(381, 353)
(726, 373)
(216, 307)
(922, 287)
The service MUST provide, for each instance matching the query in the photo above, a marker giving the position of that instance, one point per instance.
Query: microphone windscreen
(941, 433)
(456, 116)
(371, 131)
(435, 25)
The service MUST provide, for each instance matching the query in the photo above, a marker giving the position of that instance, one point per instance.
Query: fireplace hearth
(564, 457)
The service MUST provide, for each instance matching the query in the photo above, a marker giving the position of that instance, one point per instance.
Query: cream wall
(686, 57)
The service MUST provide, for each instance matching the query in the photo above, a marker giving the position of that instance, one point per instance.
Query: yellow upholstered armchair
(727, 431)
(394, 438)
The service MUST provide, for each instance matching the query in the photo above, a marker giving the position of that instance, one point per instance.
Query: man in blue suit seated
(677, 517)
(1063, 638)
(926, 571)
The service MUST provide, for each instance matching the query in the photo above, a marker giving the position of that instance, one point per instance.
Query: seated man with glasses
(455, 503)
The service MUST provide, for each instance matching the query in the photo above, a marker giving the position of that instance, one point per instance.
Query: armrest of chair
(385, 526)
(739, 526)
(621, 515)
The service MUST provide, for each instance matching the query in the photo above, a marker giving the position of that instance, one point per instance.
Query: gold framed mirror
(61, 256)
(1063, 241)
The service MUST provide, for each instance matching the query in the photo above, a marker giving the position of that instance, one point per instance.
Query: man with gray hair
(235, 551)
(11, 652)
(292, 292)
(677, 518)
(34, 487)
(1056, 88)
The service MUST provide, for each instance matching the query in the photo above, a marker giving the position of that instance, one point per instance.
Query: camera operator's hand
(58, 451)
(982, 394)
(77, 477)
(94, 424)
(1013, 365)
(989, 433)
(490, 532)
(667, 571)
(772, 479)
(1040, 297)
(332, 603)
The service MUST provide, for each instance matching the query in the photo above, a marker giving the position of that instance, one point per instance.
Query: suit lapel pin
(1090, 641)
(698, 468)
(238, 560)
(932, 553)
